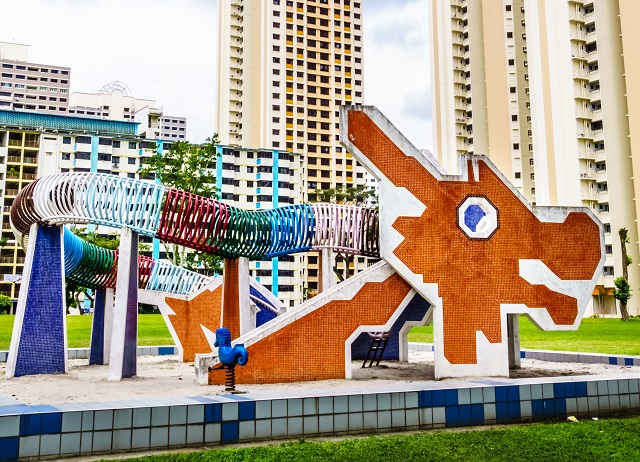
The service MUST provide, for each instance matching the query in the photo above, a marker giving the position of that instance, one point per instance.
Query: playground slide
(330, 322)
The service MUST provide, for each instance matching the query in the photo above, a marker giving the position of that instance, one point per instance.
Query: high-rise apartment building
(547, 89)
(26, 86)
(261, 179)
(33, 145)
(284, 69)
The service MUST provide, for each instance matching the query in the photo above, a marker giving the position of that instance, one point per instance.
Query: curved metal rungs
(194, 221)
(95, 267)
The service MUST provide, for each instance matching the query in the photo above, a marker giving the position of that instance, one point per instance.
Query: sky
(166, 50)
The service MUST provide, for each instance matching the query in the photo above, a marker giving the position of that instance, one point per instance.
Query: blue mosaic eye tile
(230, 432)
(247, 410)
(472, 216)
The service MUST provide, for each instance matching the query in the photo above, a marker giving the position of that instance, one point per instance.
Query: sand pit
(164, 376)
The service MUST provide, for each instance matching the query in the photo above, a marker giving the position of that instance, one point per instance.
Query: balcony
(603, 197)
(587, 153)
(587, 176)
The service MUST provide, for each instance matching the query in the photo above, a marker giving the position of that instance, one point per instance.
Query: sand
(164, 376)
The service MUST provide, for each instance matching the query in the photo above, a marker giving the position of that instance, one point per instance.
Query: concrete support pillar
(513, 339)
(326, 276)
(39, 339)
(247, 314)
(101, 328)
(236, 305)
(124, 337)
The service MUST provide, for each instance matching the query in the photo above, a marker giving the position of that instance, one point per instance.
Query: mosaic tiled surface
(264, 314)
(129, 365)
(42, 344)
(294, 354)
(97, 329)
(476, 276)
(127, 426)
(231, 298)
(202, 310)
(415, 311)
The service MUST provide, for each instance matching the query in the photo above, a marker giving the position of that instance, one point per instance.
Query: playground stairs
(376, 349)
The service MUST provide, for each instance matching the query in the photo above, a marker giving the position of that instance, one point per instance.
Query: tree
(73, 290)
(188, 167)
(349, 195)
(622, 291)
(360, 196)
(5, 303)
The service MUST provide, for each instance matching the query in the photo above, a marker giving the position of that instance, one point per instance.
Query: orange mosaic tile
(231, 295)
(475, 276)
(203, 310)
(312, 347)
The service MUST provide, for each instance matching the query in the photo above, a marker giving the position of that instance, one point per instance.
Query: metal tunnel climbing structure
(194, 221)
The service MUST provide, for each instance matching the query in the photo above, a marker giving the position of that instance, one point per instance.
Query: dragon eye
(477, 217)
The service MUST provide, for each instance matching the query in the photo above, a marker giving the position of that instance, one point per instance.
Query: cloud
(418, 104)
(159, 50)
(166, 50)
(397, 75)
(396, 23)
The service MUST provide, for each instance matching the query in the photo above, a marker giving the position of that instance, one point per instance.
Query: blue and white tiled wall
(129, 426)
(592, 358)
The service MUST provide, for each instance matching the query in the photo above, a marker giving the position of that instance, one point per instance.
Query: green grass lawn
(594, 335)
(603, 440)
(152, 330)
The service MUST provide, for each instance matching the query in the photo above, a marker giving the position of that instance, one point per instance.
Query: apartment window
(512, 89)
(516, 146)
(512, 62)
(514, 118)
(507, 7)
(132, 145)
